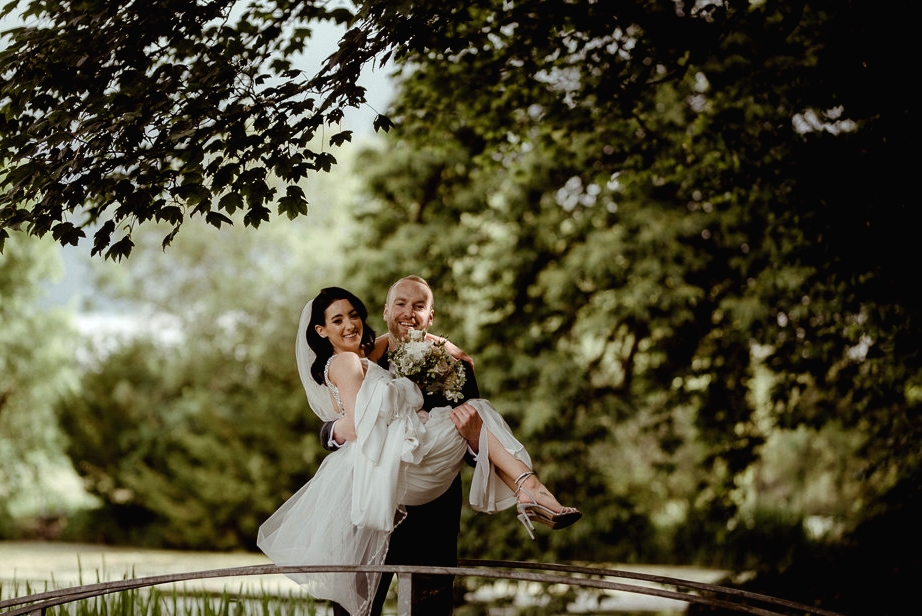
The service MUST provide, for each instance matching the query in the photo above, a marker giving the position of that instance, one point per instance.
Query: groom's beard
(401, 333)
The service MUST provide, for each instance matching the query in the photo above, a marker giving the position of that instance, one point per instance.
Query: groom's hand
(468, 423)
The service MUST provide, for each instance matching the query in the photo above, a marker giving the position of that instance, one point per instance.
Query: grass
(177, 602)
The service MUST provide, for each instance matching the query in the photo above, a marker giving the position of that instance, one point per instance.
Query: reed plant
(177, 601)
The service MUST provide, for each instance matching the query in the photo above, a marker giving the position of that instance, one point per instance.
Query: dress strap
(333, 388)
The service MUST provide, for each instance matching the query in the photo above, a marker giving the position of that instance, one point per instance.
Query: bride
(396, 455)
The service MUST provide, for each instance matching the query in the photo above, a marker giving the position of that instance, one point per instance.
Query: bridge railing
(678, 589)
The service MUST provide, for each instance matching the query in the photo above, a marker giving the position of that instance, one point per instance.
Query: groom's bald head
(412, 278)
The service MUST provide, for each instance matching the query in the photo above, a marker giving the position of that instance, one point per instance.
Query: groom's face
(409, 306)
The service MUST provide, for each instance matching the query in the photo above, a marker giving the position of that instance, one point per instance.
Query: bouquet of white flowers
(428, 364)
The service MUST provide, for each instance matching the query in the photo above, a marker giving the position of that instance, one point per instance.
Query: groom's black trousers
(428, 537)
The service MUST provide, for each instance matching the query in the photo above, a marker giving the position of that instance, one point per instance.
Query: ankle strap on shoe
(520, 480)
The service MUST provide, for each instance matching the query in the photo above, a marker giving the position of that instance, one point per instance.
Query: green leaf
(67, 233)
(255, 215)
(216, 219)
(103, 236)
(324, 161)
(224, 176)
(294, 203)
(382, 122)
(170, 213)
(120, 249)
(168, 239)
(340, 138)
(231, 202)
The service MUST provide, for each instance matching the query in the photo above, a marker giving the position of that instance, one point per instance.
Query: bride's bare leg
(536, 503)
(509, 468)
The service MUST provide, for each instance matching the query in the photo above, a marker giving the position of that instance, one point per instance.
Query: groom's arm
(470, 389)
(456, 352)
(381, 344)
(328, 436)
(467, 421)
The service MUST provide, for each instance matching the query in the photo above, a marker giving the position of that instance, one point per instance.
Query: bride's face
(343, 326)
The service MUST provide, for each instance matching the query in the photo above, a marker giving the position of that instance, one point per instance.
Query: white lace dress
(402, 456)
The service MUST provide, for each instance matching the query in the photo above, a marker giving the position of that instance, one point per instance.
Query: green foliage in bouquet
(427, 363)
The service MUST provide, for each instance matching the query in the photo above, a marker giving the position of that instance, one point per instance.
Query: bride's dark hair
(322, 346)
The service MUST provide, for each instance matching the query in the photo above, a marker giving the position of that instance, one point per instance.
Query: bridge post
(405, 594)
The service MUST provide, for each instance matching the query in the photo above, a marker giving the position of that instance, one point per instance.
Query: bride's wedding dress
(402, 456)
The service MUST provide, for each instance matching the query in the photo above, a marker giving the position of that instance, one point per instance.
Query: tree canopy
(116, 114)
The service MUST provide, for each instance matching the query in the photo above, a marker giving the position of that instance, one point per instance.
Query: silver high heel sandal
(533, 512)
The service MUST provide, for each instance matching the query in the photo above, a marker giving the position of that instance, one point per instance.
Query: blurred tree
(36, 367)
(639, 218)
(192, 447)
(195, 427)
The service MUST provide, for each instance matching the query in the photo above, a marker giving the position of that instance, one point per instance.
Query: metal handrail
(648, 577)
(39, 602)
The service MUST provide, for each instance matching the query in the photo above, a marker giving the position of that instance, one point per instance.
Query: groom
(429, 534)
